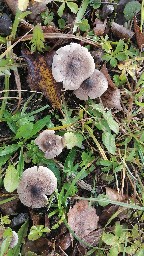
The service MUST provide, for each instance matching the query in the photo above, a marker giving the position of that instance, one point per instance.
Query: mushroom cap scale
(72, 64)
(35, 184)
(92, 87)
(49, 143)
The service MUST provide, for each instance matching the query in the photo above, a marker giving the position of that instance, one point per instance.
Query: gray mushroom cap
(72, 64)
(92, 87)
(35, 184)
(49, 143)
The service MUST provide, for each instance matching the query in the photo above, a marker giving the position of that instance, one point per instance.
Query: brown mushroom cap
(92, 87)
(50, 143)
(72, 64)
(35, 184)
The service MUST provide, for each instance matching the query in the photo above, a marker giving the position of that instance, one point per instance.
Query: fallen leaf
(105, 72)
(64, 242)
(40, 77)
(139, 35)
(114, 195)
(82, 219)
(111, 98)
(93, 237)
(39, 246)
(121, 32)
(100, 27)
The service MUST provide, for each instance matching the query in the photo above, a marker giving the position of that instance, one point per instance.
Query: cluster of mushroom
(74, 66)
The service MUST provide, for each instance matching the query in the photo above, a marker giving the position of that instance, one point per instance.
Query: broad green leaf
(11, 179)
(80, 14)
(39, 125)
(114, 251)
(109, 142)
(119, 46)
(131, 9)
(4, 159)
(121, 56)
(118, 230)
(108, 238)
(37, 231)
(111, 122)
(61, 9)
(61, 23)
(9, 149)
(73, 139)
(84, 25)
(73, 7)
(24, 131)
(113, 62)
(5, 246)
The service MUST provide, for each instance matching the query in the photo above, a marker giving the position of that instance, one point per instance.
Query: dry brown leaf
(100, 27)
(40, 77)
(114, 195)
(82, 219)
(39, 246)
(64, 242)
(93, 237)
(139, 35)
(111, 98)
(121, 32)
(105, 72)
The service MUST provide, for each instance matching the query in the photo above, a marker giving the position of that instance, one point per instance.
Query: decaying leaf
(82, 219)
(111, 98)
(105, 72)
(113, 211)
(114, 195)
(40, 77)
(36, 7)
(121, 32)
(100, 27)
(93, 237)
(139, 35)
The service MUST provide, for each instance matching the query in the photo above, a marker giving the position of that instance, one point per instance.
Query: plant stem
(4, 102)
(90, 131)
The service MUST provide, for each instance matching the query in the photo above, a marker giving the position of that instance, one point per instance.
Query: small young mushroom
(92, 87)
(72, 64)
(35, 184)
(49, 143)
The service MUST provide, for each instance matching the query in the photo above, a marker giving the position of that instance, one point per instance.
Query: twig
(59, 35)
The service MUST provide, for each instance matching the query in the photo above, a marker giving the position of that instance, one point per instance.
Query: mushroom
(49, 143)
(72, 64)
(92, 87)
(35, 184)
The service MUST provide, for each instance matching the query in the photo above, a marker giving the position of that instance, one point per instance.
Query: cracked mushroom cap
(49, 143)
(92, 87)
(35, 184)
(72, 64)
